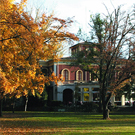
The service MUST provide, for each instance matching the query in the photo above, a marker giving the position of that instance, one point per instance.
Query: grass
(66, 123)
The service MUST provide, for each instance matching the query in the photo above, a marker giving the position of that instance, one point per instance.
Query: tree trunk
(13, 107)
(105, 112)
(105, 105)
(26, 103)
(0, 107)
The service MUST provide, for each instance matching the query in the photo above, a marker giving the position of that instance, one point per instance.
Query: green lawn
(66, 123)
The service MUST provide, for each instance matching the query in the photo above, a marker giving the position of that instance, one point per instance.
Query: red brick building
(88, 87)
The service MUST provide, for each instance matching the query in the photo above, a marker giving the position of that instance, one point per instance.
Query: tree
(127, 90)
(106, 56)
(23, 42)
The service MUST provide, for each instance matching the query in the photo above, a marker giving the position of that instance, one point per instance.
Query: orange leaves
(54, 78)
(23, 42)
(31, 74)
(5, 86)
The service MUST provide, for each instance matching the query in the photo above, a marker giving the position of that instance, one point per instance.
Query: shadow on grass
(68, 121)
(51, 114)
(65, 123)
(64, 120)
(81, 115)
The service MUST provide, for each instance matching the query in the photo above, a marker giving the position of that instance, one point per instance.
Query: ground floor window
(86, 94)
(86, 97)
(95, 96)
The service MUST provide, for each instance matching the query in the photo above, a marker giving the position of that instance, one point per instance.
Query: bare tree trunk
(0, 107)
(26, 103)
(106, 110)
(13, 105)
(104, 104)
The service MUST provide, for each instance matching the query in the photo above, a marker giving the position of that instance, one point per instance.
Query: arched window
(65, 74)
(79, 75)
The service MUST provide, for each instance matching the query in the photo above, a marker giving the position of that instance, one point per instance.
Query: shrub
(89, 107)
(55, 103)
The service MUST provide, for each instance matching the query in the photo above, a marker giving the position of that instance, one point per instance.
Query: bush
(89, 107)
(55, 103)
(134, 104)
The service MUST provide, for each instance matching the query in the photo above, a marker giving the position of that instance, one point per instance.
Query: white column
(60, 96)
(60, 89)
(55, 69)
(86, 76)
(123, 100)
(91, 94)
(131, 101)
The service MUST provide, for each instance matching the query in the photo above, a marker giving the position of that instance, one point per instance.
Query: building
(76, 79)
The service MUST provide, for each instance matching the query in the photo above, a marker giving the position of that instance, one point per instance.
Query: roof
(82, 43)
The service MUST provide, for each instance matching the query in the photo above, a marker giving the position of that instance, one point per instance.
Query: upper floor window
(65, 74)
(79, 75)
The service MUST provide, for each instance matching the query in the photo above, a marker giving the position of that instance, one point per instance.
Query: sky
(79, 10)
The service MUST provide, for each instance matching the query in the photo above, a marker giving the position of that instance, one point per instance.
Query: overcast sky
(79, 9)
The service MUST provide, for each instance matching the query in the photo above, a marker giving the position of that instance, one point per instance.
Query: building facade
(75, 81)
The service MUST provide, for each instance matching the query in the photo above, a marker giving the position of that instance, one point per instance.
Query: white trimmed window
(86, 94)
(66, 74)
(79, 75)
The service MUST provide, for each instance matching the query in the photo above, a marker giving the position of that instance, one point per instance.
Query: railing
(77, 81)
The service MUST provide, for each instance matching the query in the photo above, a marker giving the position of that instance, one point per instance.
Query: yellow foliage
(23, 42)
(33, 92)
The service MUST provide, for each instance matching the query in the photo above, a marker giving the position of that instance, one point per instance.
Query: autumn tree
(23, 42)
(107, 56)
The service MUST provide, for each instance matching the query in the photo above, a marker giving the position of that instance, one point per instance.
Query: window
(79, 75)
(86, 94)
(65, 74)
(95, 96)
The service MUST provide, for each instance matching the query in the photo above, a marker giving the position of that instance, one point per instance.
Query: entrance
(68, 96)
